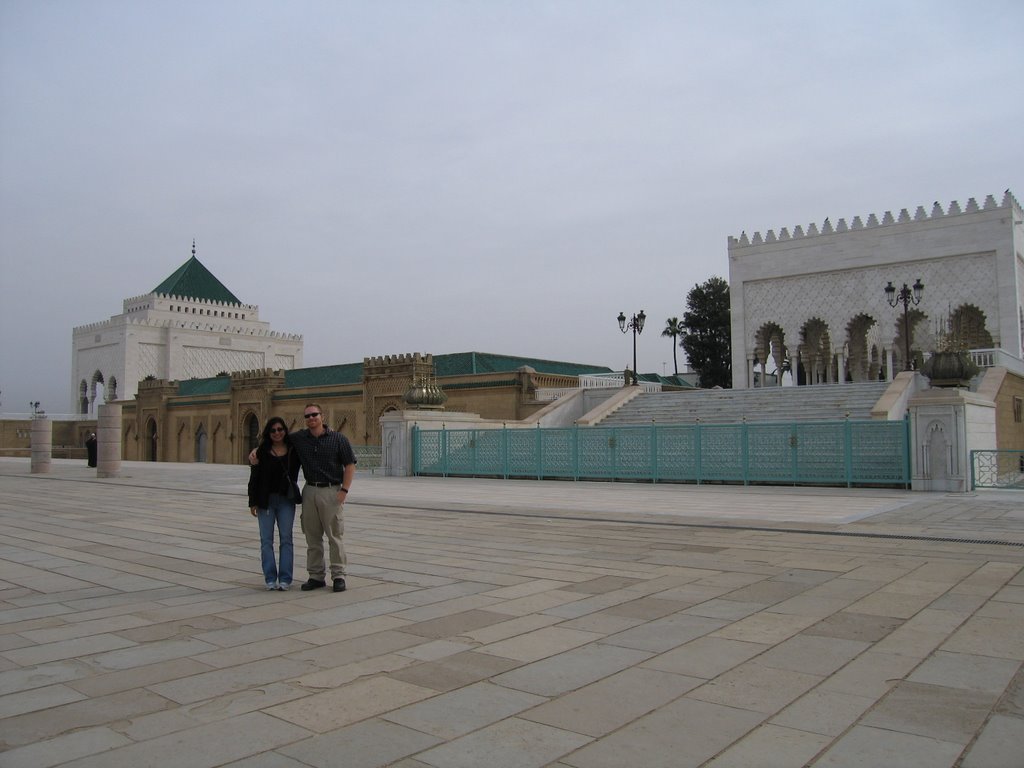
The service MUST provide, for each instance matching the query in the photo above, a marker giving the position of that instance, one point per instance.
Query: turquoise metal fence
(367, 457)
(797, 453)
(997, 469)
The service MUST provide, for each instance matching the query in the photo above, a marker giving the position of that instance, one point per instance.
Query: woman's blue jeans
(281, 512)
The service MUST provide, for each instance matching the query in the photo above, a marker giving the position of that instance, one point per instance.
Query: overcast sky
(431, 176)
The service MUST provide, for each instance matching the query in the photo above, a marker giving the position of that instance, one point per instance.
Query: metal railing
(997, 469)
(367, 456)
(987, 358)
(613, 380)
(797, 453)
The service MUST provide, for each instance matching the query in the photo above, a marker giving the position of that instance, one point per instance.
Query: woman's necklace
(282, 452)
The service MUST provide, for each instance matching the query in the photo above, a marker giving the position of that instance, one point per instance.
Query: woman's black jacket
(266, 477)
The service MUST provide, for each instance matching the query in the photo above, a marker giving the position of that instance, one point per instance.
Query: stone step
(825, 402)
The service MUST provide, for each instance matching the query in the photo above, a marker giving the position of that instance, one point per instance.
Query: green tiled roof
(194, 281)
(349, 373)
(673, 380)
(215, 386)
(458, 364)
(465, 363)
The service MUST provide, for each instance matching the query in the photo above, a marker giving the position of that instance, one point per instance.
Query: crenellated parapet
(191, 301)
(257, 378)
(256, 373)
(406, 359)
(197, 323)
(872, 221)
(98, 326)
(390, 375)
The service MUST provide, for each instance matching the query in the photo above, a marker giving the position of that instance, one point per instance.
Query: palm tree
(674, 330)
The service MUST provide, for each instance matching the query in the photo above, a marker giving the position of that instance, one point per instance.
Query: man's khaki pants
(321, 516)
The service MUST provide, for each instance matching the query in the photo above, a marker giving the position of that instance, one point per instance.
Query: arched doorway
(96, 391)
(251, 426)
(201, 445)
(916, 320)
(151, 440)
(859, 362)
(815, 352)
(770, 347)
(966, 328)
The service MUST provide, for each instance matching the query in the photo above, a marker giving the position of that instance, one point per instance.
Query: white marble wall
(835, 273)
(151, 339)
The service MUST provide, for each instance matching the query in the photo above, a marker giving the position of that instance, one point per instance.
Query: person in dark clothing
(90, 449)
(272, 498)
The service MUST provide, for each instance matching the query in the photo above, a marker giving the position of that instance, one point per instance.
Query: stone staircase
(824, 402)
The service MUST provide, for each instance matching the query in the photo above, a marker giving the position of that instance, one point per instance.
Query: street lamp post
(905, 296)
(635, 324)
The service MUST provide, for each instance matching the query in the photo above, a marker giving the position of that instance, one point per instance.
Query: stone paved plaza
(498, 624)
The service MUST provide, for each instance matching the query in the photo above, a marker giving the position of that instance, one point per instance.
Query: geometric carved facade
(190, 326)
(813, 301)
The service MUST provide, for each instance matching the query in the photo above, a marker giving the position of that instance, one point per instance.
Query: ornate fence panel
(367, 456)
(997, 469)
(797, 453)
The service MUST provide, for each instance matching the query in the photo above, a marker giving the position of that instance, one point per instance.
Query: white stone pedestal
(945, 426)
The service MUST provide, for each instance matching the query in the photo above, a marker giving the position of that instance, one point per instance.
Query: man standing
(328, 465)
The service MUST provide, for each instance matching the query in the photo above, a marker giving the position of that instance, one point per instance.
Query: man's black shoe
(312, 584)
(339, 585)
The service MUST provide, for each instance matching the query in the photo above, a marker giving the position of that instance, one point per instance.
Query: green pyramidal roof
(194, 281)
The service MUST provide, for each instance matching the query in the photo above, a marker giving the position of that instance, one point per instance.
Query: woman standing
(271, 482)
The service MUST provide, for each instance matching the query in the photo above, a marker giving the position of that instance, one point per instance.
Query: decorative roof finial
(193, 247)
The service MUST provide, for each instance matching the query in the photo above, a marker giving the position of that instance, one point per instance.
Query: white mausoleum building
(814, 302)
(189, 326)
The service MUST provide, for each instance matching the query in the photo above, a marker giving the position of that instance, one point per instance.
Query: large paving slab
(509, 623)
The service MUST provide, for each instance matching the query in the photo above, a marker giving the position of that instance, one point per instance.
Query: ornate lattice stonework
(152, 361)
(203, 362)
(837, 297)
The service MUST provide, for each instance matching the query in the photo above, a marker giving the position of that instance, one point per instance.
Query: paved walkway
(509, 623)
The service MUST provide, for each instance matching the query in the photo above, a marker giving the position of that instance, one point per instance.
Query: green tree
(673, 329)
(706, 334)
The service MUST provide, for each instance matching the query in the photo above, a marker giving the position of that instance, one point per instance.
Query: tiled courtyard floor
(496, 623)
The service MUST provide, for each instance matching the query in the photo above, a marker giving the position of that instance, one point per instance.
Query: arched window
(96, 391)
(201, 445)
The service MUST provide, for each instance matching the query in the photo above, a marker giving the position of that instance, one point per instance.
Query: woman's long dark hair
(265, 441)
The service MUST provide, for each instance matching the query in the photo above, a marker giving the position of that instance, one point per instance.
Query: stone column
(41, 445)
(841, 366)
(889, 373)
(108, 438)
